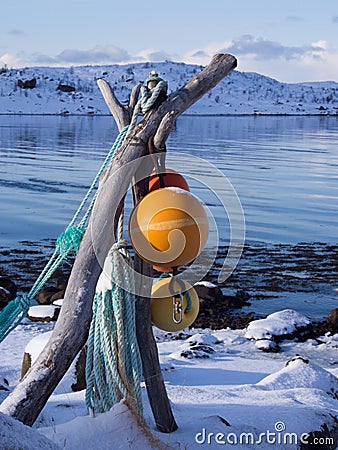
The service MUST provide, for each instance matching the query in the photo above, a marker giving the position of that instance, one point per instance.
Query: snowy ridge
(238, 93)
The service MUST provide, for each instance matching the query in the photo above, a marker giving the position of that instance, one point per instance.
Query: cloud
(259, 49)
(335, 19)
(16, 33)
(315, 61)
(154, 55)
(294, 19)
(12, 60)
(97, 55)
(263, 49)
(101, 55)
(200, 54)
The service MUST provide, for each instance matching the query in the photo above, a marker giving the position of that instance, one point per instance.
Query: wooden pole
(71, 330)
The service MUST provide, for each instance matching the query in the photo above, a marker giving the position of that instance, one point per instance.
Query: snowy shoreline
(240, 93)
(223, 382)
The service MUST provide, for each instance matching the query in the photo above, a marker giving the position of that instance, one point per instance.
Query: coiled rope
(113, 366)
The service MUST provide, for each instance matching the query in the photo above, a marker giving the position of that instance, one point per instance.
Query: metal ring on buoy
(170, 312)
(168, 227)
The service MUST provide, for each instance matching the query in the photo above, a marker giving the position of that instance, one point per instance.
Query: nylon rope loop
(147, 101)
(189, 302)
(113, 365)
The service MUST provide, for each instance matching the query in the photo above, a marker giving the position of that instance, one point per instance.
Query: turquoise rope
(186, 293)
(68, 241)
(147, 101)
(189, 302)
(113, 365)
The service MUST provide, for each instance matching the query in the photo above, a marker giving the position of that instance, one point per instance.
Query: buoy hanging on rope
(174, 304)
(168, 227)
(170, 178)
(167, 178)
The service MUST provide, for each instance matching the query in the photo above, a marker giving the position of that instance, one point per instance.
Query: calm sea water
(284, 170)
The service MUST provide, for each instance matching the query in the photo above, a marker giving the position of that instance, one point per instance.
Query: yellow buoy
(174, 305)
(169, 227)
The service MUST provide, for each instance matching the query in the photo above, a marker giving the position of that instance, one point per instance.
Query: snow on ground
(238, 93)
(224, 391)
(276, 324)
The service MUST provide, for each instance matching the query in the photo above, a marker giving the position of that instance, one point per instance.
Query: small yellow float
(174, 304)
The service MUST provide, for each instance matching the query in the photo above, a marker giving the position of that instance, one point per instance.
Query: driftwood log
(71, 330)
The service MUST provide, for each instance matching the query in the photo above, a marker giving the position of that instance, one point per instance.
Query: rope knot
(24, 302)
(121, 244)
(69, 240)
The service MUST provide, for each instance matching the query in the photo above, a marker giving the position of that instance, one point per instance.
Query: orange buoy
(174, 305)
(169, 227)
(170, 179)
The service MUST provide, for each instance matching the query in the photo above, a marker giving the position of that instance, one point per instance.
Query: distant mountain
(35, 90)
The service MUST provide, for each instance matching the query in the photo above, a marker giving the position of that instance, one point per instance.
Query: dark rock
(198, 351)
(209, 292)
(238, 301)
(57, 296)
(8, 291)
(296, 358)
(267, 346)
(44, 297)
(324, 439)
(61, 284)
(4, 385)
(332, 321)
(80, 371)
(65, 88)
(28, 84)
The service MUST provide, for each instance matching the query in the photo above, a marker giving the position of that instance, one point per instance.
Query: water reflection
(284, 170)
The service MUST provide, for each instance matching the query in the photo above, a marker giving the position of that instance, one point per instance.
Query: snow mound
(279, 323)
(43, 313)
(37, 344)
(207, 284)
(300, 373)
(16, 436)
(116, 429)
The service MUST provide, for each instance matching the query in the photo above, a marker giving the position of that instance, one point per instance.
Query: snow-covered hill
(238, 93)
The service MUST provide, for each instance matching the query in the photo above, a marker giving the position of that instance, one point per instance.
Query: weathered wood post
(71, 330)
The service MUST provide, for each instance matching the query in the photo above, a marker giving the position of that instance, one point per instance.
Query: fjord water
(283, 169)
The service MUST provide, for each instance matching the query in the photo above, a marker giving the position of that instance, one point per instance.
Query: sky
(289, 40)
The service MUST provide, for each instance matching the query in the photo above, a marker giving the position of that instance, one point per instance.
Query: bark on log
(71, 330)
